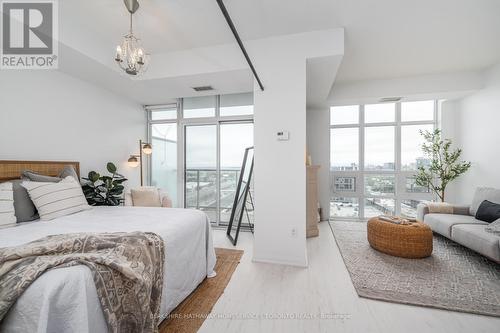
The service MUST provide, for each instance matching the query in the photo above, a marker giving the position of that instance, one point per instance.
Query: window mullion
(397, 175)
(217, 176)
(361, 175)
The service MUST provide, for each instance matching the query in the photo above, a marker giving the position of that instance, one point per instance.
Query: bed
(65, 299)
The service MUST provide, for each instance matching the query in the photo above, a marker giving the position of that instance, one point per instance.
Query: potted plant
(104, 190)
(445, 164)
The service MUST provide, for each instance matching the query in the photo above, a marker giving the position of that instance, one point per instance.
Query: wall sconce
(136, 160)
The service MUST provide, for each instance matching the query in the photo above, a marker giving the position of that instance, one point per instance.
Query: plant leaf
(94, 176)
(111, 167)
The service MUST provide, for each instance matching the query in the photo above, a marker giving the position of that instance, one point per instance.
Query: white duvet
(65, 300)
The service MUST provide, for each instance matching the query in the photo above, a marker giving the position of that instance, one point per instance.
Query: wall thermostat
(282, 135)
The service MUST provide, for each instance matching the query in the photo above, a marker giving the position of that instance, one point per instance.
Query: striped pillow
(7, 214)
(53, 200)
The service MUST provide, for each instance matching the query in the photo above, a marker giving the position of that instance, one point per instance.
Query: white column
(280, 171)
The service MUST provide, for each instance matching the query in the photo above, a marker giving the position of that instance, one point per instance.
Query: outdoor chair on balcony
(148, 196)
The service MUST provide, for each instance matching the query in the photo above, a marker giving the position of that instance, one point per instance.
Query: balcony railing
(201, 187)
(201, 191)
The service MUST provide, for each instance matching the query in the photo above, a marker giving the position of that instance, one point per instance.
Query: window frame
(399, 174)
(182, 123)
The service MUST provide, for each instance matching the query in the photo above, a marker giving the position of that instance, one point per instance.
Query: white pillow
(146, 197)
(54, 200)
(7, 213)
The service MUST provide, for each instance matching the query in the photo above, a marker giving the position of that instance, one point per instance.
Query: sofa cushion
(442, 223)
(481, 194)
(488, 211)
(476, 238)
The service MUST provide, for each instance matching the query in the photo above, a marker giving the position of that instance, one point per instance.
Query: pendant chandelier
(130, 55)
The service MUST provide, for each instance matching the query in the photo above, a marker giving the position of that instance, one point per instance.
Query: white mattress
(65, 299)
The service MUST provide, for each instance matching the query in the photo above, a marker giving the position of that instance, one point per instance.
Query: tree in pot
(104, 190)
(445, 164)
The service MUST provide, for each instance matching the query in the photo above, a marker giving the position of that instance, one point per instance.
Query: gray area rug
(453, 278)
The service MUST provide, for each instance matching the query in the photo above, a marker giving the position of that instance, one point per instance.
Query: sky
(379, 140)
(201, 142)
(379, 145)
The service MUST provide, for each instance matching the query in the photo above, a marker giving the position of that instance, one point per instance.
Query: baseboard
(280, 262)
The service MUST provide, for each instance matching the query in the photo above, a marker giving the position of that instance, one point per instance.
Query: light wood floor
(261, 296)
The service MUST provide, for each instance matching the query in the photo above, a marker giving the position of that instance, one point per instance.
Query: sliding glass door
(217, 130)
(201, 169)
(234, 139)
(213, 157)
(198, 149)
(375, 150)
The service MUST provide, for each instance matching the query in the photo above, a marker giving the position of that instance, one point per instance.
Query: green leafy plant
(104, 190)
(445, 164)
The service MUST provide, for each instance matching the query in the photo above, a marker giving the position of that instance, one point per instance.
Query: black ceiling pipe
(240, 43)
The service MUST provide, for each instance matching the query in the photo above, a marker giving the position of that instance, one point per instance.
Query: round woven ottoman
(400, 240)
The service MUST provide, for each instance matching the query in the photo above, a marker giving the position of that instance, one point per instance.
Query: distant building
(345, 184)
(389, 166)
(352, 167)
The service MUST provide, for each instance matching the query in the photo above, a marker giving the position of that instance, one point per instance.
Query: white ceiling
(384, 38)
(395, 38)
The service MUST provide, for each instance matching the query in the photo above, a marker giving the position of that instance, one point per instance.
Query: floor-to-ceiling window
(375, 150)
(212, 133)
(163, 134)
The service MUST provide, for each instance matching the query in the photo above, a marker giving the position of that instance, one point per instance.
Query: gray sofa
(462, 227)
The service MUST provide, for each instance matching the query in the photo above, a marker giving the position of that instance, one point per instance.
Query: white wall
(448, 122)
(475, 128)
(318, 146)
(48, 115)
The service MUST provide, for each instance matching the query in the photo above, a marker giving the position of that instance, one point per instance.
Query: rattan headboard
(10, 170)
